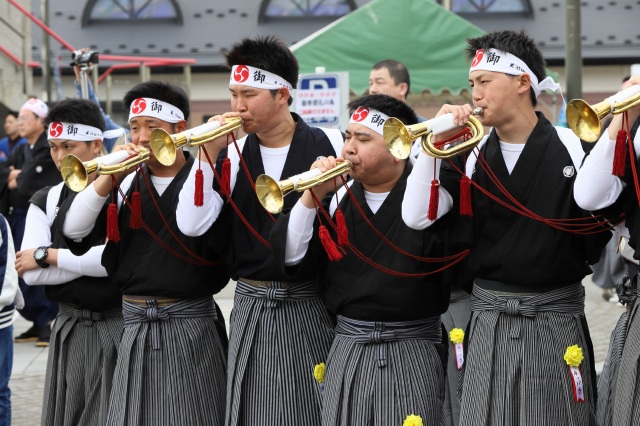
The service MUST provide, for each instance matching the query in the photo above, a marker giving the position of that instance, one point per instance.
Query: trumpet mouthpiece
(478, 111)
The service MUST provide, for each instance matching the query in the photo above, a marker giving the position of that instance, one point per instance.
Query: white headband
(255, 77)
(36, 106)
(371, 118)
(79, 132)
(498, 61)
(150, 107)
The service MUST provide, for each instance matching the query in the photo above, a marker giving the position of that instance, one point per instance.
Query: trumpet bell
(397, 137)
(74, 173)
(271, 193)
(585, 120)
(163, 146)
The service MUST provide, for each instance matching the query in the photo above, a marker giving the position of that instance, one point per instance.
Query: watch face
(39, 253)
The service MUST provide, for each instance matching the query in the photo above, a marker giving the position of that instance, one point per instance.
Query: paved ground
(27, 380)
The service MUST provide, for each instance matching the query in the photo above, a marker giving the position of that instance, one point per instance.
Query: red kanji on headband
(138, 106)
(360, 114)
(55, 129)
(477, 58)
(241, 74)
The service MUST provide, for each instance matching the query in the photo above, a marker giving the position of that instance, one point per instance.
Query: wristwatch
(40, 255)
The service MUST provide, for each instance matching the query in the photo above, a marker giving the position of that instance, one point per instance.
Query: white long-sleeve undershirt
(596, 187)
(417, 195)
(87, 205)
(38, 234)
(301, 218)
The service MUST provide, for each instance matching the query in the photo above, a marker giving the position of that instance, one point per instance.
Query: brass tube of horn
(585, 119)
(164, 146)
(399, 138)
(477, 133)
(271, 193)
(75, 173)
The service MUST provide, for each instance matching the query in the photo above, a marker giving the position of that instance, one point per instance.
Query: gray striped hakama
(378, 373)
(607, 379)
(171, 367)
(278, 336)
(515, 372)
(82, 359)
(626, 397)
(457, 316)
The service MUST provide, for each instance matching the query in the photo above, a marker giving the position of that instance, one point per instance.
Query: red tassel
(113, 233)
(434, 200)
(343, 232)
(465, 196)
(226, 177)
(333, 251)
(135, 222)
(198, 197)
(620, 153)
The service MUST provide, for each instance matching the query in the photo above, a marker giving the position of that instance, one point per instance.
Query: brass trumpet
(584, 119)
(399, 138)
(164, 146)
(75, 173)
(271, 193)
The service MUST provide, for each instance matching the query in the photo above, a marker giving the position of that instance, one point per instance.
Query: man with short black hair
(529, 357)
(171, 366)
(390, 77)
(279, 328)
(86, 333)
(386, 364)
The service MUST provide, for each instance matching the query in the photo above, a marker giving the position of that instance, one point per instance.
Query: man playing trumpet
(279, 328)
(597, 187)
(172, 361)
(524, 270)
(86, 333)
(387, 360)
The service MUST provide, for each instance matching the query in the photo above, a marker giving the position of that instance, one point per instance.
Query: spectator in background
(390, 77)
(13, 138)
(28, 169)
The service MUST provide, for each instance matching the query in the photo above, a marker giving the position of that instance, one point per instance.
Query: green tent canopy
(427, 38)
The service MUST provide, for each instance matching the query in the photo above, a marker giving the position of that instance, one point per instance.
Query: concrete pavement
(29, 364)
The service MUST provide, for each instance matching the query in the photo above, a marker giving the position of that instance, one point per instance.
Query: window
(522, 7)
(297, 9)
(131, 10)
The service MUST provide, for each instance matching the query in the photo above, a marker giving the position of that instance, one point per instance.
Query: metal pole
(46, 53)
(573, 50)
(94, 80)
(187, 79)
(26, 56)
(84, 85)
(108, 100)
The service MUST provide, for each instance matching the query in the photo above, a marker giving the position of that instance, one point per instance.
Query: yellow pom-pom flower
(456, 336)
(573, 356)
(413, 420)
(318, 372)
